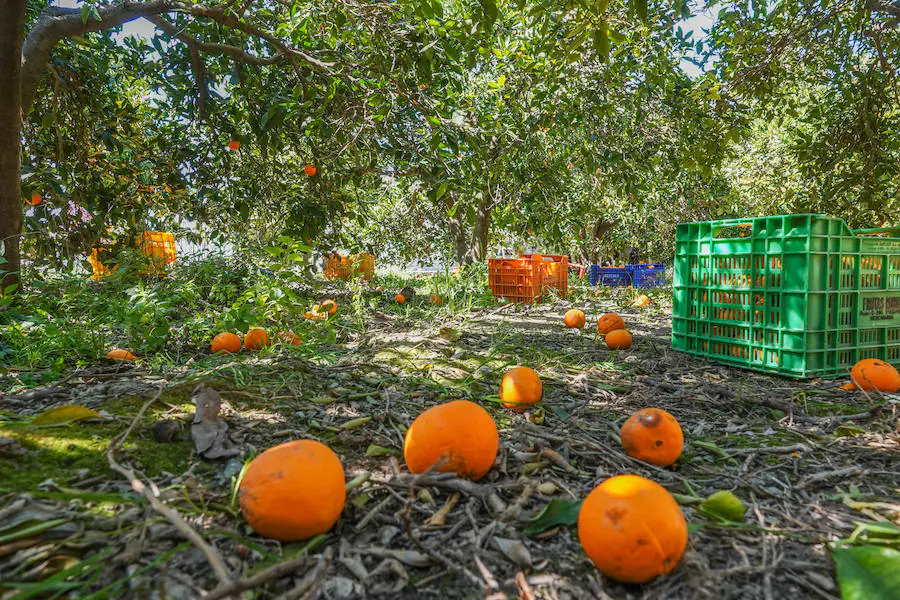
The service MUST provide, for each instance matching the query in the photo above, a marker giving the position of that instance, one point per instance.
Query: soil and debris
(808, 460)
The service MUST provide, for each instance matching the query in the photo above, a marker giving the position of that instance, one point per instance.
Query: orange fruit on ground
(328, 306)
(872, 374)
(520, 388)
(35, 199)
(256, 339)
(609, 322)
(642, 300)
(234, 145)
(619, 339)
(653, 436)
(310, 170)
(574, 319)
(632, 529)
(119, 354)
(461, 433)
(225, 342)
(400, 298)
(293, 491)
(436, 300)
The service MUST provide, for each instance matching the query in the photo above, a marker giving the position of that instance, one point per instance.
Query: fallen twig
(261, 578)
(212, 556)
(310, 583)
(819, 477)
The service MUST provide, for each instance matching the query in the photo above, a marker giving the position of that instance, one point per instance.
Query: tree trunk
(482, 230)
(12, 32)
(458, 234)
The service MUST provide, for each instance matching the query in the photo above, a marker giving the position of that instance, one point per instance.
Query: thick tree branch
(198, 66)
(892, 7)
(213, 48)
(57, 23)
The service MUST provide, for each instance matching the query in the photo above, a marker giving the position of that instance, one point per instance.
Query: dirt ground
(808, 460)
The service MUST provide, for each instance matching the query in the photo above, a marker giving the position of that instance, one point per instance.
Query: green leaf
(442, 189)
(64, 414)
(29, 529)
(640, 7)
(557, 512)
(601, 41)
(490, 9)
(868, 572)
(848, 431)
(375, 450)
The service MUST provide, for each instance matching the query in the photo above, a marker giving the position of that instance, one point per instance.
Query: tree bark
(482, 230)
(12, 32)
(458, 234)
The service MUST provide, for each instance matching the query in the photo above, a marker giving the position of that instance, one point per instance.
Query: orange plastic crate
(527, 280)
(159, 246)
(338, 266)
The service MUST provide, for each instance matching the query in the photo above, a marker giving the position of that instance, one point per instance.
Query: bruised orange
(400, 298)
(293, 491)
(619, 339)
(574, 319)
(871, 374)
(653, 436)
(609, 322)
(119, 354)
(256, 339)
(460, 434)
(520, 388)
(632, 529)
(234, 145)
(225, 342)
(310, 170)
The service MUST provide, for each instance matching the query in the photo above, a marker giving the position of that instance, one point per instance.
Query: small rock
(162, 531)
(232, 468)
(482, 371)
(341, 588)
(387, 534)
(10, 447)
(168, 430)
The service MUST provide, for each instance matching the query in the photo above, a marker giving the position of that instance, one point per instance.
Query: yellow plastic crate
(158, 246)
(99, 269)
(338, 266)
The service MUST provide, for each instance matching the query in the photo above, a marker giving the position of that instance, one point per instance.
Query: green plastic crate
(797, 295)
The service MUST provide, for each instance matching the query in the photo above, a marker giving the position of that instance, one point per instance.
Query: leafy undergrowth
(809, 461)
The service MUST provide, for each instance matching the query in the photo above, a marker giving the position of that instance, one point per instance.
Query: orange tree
(549, 130)
(337, 84)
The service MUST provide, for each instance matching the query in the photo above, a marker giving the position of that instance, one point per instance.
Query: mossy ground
(358, 381)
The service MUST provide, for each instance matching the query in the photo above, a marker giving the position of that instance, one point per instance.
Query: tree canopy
(439, 128)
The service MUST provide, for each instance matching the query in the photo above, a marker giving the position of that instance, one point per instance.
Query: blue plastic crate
(644, 276)
(611, 276)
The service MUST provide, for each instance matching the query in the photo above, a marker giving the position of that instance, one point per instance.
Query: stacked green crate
(798, 295)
